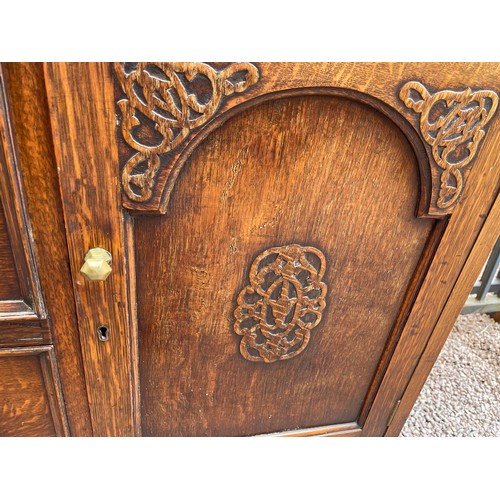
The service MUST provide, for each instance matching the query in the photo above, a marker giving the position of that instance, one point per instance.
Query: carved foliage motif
(452, 124)
(169, 99)
(284, 302)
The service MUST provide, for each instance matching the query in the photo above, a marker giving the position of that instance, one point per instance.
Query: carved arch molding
(163, 105)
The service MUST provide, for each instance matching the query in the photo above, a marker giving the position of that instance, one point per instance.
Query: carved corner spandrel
(452, 125)
(162, 103)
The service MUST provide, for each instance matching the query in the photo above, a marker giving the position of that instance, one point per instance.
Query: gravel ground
(462, 394)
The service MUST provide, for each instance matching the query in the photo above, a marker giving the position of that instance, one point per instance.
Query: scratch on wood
(235, 170)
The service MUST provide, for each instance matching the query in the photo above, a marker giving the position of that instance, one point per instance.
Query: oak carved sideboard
(237, 249)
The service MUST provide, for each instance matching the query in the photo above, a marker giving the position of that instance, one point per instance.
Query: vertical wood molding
(56, 402)
(88, 171)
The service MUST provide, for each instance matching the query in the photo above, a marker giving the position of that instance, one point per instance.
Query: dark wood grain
(292, 171)
(87, 158)
(25, 409)
(9, 285)
(23, 316)
(30, 118)
(30, 397)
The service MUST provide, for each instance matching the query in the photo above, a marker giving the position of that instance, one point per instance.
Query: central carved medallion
(284, 302)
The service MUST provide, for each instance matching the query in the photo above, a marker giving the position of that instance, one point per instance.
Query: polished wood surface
(438, 288)
(293, 171)
(25, 409)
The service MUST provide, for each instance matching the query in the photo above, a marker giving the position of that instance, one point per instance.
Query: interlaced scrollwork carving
(452, 124)
(170, 99)
(284, 302)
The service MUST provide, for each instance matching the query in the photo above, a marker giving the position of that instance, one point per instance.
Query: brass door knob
(97, 264)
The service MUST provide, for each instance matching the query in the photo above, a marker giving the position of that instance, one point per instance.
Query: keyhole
(103, 332)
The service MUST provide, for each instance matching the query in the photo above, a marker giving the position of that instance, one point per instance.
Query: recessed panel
(291, 226)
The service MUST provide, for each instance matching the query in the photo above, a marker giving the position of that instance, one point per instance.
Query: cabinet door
(284, 237)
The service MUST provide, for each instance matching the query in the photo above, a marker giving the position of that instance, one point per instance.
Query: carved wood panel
(452, 123)
(164, 103)
(294, 171)
(246, 187)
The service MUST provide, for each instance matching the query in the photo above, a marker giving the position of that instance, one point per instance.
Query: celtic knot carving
(169, 99)
(452, 124)
(284, 302)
